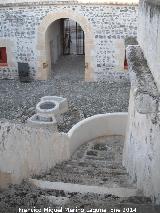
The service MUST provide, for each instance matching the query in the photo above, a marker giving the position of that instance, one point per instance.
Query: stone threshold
(83, 189)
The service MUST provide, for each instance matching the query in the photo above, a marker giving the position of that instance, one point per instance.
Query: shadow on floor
(70, 67)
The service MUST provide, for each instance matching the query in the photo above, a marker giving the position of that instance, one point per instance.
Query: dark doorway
(66, 49)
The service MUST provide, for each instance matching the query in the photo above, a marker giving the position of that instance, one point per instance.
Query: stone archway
(43, 58)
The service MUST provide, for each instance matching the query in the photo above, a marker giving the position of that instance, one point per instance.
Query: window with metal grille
(3, 56)
(74, 38)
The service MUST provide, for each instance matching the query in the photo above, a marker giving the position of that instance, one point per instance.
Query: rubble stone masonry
(107, 24)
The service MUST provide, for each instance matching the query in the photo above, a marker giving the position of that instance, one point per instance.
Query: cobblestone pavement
(18, 100)
(69, 67)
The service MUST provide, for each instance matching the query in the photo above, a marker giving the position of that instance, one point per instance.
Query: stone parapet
(146, 94)
(142, 148)
(149, 35)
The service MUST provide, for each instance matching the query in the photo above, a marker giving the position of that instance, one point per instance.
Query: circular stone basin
(47, 105)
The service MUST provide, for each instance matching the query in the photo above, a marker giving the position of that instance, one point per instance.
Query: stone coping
(45, 3)
(143, 86)
(140, 74)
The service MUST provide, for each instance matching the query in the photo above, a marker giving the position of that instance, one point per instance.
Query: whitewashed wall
(142, 144)
(53, 42)
(26, 151)
(149, 35)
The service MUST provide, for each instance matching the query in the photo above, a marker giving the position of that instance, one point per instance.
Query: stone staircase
(94, 178)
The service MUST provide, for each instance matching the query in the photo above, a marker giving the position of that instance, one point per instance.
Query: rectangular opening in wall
(3, 56)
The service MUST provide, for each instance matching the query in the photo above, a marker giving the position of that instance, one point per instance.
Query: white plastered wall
(53, 43)
(26, 151)
(149, 37)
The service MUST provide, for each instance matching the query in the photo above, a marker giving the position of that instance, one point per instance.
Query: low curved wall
(97, 126)
(27, 151)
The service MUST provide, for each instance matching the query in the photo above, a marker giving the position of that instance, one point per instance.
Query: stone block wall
(142, 143)
(109, 25)
(149, 35)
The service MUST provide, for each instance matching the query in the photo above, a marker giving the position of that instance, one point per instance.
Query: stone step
(84, 189)
(80, 198)
(91, 164)
(90, 179)
(98, 162)
(102, 203)
(88, 173)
